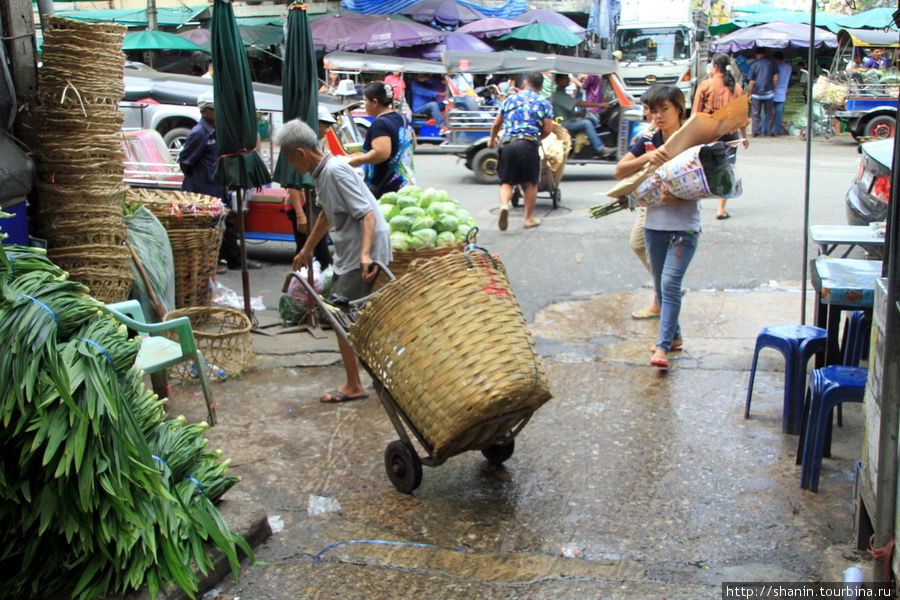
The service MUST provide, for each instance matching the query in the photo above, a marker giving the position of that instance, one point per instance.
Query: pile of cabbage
(424, 218)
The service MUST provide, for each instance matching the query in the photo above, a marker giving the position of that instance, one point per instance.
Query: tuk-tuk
(860, 93)
(351, 65)
(469, 129)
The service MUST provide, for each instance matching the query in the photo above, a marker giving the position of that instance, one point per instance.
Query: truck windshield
(653, 44)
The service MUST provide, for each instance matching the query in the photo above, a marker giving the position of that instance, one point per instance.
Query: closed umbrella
(157, 40)
(544, 32)
(299, 87)
(240, 166)
(391, 33)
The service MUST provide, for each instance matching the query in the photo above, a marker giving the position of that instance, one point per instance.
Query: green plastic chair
(158, 352)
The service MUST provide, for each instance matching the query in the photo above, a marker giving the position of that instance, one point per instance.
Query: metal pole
(810, 71)
(45, 7)
(152, 22)
(245, 273)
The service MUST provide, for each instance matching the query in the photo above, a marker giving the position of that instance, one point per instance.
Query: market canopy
(454, 41)
(446, 12)
(331, 30)
(165, 16)
(507, 10)
(490, 27)
(778, 34)
(544, 15)
(389, 33)
(544, 32)
(158, 40)
(515, 61)
(877, 18)
(867, 38)
(354, 61)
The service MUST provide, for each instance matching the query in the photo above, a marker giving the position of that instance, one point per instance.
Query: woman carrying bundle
(713, 93)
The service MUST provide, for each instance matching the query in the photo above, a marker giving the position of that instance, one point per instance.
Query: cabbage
(412, 211)
(399, 240)
(461, 232)
(446, 223)
(439, 208)
(427, 197)
(401, 223)
(386, 210)
(410, 190)
(395, 210)
(461, 214)
(404, 201)
(423, 238)
(423, 222)
(388, 198)
(445, 237)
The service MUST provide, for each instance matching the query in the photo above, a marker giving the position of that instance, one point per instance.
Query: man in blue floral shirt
(525, 119)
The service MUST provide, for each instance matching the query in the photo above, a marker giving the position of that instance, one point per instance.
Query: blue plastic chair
(828, 387)
(797, 343)
(857, 329)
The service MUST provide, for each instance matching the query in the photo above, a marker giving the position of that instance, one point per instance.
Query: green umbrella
(544, 32)
(157, 40)
(299, 86)
(240, 166)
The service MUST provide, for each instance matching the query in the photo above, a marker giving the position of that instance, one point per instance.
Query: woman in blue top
(671, 231)
(388, 147)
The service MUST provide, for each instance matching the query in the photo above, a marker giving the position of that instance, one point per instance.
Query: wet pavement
(629, 483)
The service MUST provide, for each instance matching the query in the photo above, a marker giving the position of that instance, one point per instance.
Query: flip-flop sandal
(503, 219)
(674, 348)
(336, 396)
(531, 223)
(722, 216)
(659, 361)
(644, 314)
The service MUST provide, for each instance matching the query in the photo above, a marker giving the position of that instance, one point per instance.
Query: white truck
(662, 42)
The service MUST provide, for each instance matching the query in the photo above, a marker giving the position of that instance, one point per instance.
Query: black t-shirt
(388, 125)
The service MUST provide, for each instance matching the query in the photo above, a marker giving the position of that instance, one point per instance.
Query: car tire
(174, 138)
(484, 165)
(882, 127)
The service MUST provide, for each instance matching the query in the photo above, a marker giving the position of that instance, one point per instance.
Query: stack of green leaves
(98, 494)
(610, 207)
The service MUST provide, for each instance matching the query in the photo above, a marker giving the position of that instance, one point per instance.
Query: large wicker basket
(450, 344)
(222, 334)
(403, 258)
(195, 253)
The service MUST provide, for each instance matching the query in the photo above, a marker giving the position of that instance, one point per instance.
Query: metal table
(829, 237)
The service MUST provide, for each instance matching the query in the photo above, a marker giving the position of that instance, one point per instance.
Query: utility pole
(152, 23)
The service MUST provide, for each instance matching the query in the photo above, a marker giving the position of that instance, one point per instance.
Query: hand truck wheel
(498, 453)
(516, 196)
(403, 466)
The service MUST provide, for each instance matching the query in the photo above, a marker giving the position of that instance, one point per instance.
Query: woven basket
(450, 344)
(404, 258)
(179, 210)
(107, 286)
(222, 334)
(195, 253)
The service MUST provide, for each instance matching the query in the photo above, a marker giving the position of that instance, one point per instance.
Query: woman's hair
(722, 63)
(380, 92)
(295, 134)
(658, 95)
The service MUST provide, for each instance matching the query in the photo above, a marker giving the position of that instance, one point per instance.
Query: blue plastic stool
(828, 387)
(797, 343)
(857, 329)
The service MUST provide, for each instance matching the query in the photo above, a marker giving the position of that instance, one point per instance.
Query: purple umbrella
(331, 31)
(454, 41)
(543, 15)
(777, 34)
(446, 12)
(199, 36)
(390, 33)
(490, 27)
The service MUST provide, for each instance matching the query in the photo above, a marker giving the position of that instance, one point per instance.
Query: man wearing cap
(350, 214)
(198, 163)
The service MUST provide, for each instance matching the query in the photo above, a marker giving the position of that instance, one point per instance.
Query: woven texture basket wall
(449, 342)
(195, 224)
(79, 158)
(222, 334)
(403, 258)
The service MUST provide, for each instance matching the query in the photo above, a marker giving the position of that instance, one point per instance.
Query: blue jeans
(779, 118)
(670, 253)
(434, 109)
(585, 125)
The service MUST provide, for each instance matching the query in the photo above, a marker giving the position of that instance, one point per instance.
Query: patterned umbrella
(392, 33)
(490, 27)
(446, 12)
(240, 166)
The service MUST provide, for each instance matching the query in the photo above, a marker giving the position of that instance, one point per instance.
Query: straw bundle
(80, 168)
(449, 342)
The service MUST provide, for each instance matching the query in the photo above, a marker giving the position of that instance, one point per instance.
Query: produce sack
(829, 92)
(150, 241)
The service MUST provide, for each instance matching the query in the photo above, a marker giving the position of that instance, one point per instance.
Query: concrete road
(627, 484)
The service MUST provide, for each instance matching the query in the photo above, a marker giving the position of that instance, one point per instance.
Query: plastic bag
(227, 297)
(150, 241)
(295, 304)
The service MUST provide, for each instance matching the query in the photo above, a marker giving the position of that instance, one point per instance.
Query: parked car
(870, 193)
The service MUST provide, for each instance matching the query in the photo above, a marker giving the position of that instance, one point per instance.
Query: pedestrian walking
(713, 93)
(525, 119)
(781, 88)
(359, 233)
(671, 231)
(197, 161)
(763, 77)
